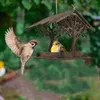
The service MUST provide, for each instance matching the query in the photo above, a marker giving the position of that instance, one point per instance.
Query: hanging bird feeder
(70, 22)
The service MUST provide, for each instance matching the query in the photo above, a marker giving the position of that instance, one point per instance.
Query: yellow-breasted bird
(2, 69)
(58, 47)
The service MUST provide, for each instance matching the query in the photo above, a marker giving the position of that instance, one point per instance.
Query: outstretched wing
(13, 43)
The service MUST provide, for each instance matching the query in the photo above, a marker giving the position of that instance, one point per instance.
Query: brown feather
(13, 43)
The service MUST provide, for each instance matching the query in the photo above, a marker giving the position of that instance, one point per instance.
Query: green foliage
(92, 94)
(2, 46)
(37, 1)
(70, 2)
(67, 44)
(27, 4)
(47, 4)
(20, 98)
(95, 47)
(10, 94)
(61, 77)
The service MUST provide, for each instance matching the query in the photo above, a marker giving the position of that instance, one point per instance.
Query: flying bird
(23, 50)
(58, 47)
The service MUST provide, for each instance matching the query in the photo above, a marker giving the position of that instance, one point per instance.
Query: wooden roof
(52, 18)
(58, 17)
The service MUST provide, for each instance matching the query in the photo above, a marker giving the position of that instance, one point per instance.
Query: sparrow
(2, 69)
(58, 47)
(23, 50)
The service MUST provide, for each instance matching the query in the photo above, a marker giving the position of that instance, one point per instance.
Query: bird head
(1, 64)
(33, 43)
(56, 43)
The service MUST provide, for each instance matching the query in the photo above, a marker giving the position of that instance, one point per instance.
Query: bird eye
(57, 43)
(33, 44)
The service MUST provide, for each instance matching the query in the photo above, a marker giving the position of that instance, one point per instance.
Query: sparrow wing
(13, 43)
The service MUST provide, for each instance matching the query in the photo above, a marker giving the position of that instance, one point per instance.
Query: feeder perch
(61, 56)
(70, 22)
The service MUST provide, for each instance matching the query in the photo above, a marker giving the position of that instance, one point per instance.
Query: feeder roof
(61, 16)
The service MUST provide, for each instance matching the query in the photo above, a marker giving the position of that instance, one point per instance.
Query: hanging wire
(56, 6)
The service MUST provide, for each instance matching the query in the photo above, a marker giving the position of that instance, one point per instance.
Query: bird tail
(22, 68)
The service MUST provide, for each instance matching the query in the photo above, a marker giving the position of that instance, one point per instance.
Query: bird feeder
(70, 22)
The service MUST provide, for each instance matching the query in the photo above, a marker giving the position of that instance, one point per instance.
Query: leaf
(47, 4)
(27, 4)
(37, 1)
(20, 98)
(2, 45)
(3, 2)
(51, 26)
(7, 2)
(20, 28)
(59, 1)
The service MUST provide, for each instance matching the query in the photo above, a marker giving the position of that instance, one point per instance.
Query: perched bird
(58, 47)
(24, 51)
(2, 69)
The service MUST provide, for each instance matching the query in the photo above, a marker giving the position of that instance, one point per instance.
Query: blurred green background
(74, 78)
